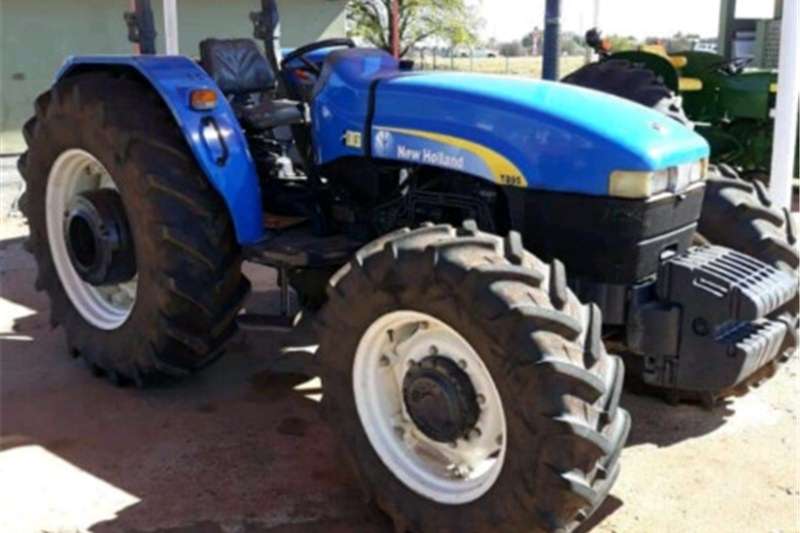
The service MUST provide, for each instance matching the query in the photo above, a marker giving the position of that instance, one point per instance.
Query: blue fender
(215, 137)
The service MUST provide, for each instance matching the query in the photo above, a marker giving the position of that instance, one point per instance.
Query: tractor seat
(269, 114)
(244, 75)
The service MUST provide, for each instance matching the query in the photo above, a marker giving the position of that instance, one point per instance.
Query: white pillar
(171, 26)
(595, 24)
(786, 110)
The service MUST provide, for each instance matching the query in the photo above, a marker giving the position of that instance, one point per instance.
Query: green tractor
(729, 104)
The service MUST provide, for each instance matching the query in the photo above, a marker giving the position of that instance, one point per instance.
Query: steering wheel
(731, 66)
(303, 51)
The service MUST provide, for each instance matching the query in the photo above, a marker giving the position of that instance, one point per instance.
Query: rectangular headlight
(627, 184)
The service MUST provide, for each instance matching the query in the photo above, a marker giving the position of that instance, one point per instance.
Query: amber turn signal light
(203, 99)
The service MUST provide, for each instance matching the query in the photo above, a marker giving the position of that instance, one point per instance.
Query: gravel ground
(11, 187)
(241, 448)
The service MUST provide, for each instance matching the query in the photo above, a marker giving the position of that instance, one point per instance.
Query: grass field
(520, 66)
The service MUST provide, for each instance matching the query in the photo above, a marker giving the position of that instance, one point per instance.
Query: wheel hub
(98, 238)
(440, 399)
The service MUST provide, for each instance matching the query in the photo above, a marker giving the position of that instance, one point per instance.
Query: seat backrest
(236, 65)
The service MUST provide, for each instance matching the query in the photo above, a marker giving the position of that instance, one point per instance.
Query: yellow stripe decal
(504, 171)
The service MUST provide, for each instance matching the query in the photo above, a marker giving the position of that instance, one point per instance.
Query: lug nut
(474, 433)
(385, 361)
(459, 471)
(434, 350)
(481, 399)
(462, 363)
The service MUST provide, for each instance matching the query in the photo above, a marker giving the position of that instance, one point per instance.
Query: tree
(452, 21)
(511, 49)
(572, 44)
(620, 43)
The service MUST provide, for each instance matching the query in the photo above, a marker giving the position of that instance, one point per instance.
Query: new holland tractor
(436, 228)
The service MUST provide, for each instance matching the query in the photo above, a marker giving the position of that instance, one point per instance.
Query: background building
(36, 37)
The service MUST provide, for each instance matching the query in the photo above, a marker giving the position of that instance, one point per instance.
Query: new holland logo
(383, 143)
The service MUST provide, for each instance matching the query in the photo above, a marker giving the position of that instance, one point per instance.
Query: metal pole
(395, 16)
(137, 48)
(552, 48)
(727, 16)
(786, 109)
(141, 27)
(171, 26)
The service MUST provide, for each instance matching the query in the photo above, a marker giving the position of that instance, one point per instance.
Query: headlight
(627, 184)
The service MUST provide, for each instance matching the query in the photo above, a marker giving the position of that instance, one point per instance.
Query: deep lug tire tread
(562, 401)
(194, 285)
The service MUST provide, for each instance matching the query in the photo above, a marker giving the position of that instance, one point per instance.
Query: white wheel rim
(455, 473)
(76, 171)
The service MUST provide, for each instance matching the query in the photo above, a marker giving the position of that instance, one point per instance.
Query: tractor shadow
(241, 445)
(655, 421)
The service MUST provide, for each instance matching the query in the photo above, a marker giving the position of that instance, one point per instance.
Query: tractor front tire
(188, 285)
(426, 315)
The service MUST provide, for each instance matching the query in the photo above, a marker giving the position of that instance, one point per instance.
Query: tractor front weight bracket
(709, 321)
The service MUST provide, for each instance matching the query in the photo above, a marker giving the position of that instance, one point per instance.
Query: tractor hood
(514, 131)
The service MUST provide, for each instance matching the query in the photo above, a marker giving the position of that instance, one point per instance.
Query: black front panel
(603, 239)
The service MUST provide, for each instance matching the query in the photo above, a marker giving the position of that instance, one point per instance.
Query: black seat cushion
(270, 114)
(236, 65)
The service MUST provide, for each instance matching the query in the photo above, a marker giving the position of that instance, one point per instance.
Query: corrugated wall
(36, 36)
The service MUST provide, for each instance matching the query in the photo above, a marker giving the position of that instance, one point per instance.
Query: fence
(518, 66)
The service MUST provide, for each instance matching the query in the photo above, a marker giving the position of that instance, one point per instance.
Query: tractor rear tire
(559, 389)
(189, 287)
(625, 80)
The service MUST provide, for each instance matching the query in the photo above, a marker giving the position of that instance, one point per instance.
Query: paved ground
(241, 448)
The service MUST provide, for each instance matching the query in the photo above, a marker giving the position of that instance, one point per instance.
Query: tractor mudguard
(512, 131)
(214, 136)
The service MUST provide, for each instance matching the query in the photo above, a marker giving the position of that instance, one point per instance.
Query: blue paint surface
(562, 138)
(342, 103)
(173, 77)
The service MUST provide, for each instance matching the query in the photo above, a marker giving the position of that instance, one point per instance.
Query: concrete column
(786, 109)
(171, 26)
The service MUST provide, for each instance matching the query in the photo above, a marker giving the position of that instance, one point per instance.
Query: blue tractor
(424, 220)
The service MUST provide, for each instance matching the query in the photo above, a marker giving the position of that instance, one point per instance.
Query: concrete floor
(241, 447)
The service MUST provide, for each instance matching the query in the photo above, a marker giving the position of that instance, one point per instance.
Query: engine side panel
(215, 137)
(344, 101)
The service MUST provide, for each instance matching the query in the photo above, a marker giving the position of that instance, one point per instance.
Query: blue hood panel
(559, 137)
(512, 130)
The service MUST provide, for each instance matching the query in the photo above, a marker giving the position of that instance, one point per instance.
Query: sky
(511, 19)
